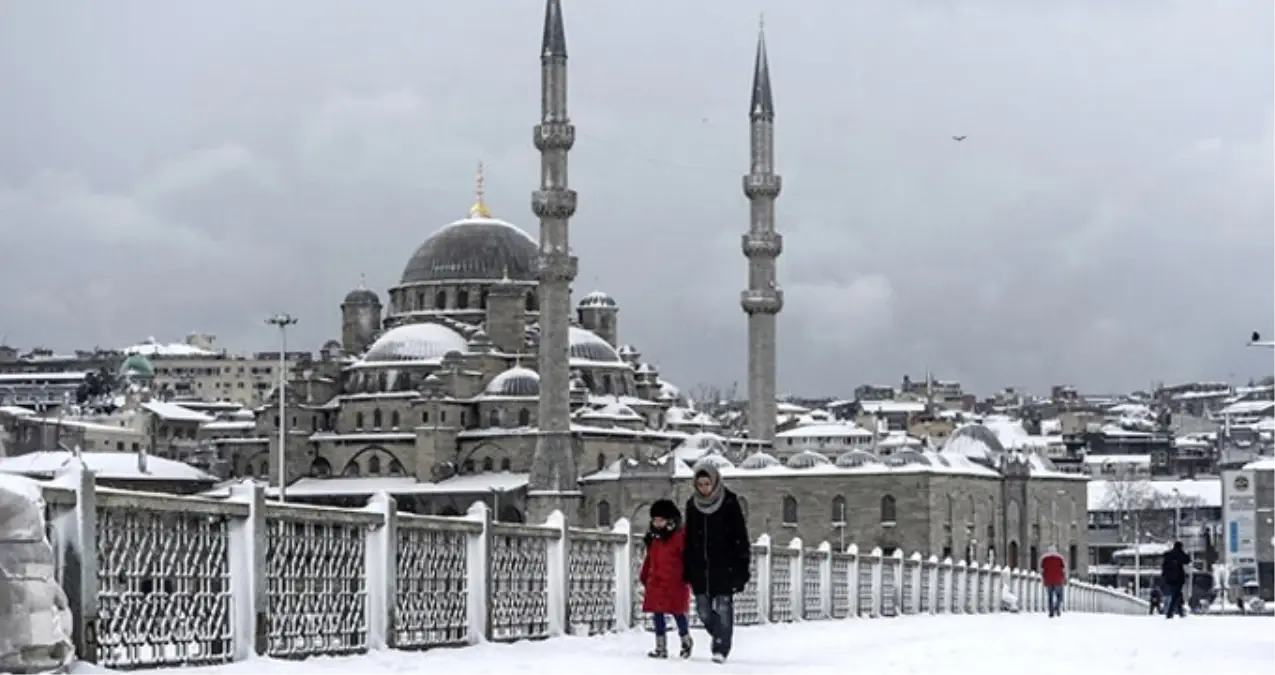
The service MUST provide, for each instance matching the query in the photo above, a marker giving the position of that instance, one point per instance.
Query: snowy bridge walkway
(987, 644)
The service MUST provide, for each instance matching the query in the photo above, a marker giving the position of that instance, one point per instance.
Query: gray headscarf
(713, 501)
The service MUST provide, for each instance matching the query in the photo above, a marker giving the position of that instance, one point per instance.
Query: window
(531, 302)
(604, 513)
(493, 418)
(351, 470)
(482, 300)
(488, 464)
(376, 418)
(394, 419)
(839, 509)
(462, 300)
(424, 417)
(888, 510)
(468, 466)
(440, 300)
(506, 464)
(524, 418)
(1073, 555)
(1034, 554)
(374, 465)
(602, 461)
(320, 468)
(396, 468)
(358, 420)
(790, 510)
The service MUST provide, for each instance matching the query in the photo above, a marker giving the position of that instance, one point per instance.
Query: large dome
(415, 342)
(587, 346)
(474, 248)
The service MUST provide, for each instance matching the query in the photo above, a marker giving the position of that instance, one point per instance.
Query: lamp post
(282, 321)
(1255, 340)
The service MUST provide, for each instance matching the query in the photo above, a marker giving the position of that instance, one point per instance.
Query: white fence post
(933, 590)
(556, 570)
(478, 558)
(878, 571)
(918, 569)
(797, 578)
(962, 579)
(852, 587)
(825, 580)
(246, 555)
(763, 578)
(624, 575)
(380, 564)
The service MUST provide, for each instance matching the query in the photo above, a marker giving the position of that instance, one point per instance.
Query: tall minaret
(762, 245)
(554, 481)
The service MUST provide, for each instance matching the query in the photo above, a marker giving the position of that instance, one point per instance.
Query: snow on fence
(159, 580)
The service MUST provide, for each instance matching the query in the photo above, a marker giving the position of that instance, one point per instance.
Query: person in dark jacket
(1154, 600)
(1173, 573)
(717, 555)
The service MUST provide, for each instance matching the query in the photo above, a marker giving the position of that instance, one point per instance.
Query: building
(198, 368)
(1248, 498)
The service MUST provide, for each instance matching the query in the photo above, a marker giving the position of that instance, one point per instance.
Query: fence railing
(157, 580)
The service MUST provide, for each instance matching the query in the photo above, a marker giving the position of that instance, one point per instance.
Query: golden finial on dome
(479, 209)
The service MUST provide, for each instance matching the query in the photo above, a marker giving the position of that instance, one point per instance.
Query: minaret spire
(554, 480)
(763, 300)
(479, 209)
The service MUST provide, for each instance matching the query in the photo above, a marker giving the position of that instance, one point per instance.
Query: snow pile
(35, 619)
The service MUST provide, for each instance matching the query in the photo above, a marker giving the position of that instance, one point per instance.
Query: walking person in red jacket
(666, 591)
(1053, 572)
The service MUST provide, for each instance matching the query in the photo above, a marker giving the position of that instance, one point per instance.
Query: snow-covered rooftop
(1108, 495)
(106, 465)
(151, 348)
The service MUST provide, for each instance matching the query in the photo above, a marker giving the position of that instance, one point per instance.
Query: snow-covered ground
(987, 644)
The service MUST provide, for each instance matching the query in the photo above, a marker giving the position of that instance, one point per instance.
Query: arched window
(888, 510)
(376, 418)
(531, 301)
(383, 382)
(1073, 558)
(395, 419)
(1011, 554)
(351, 470)
(604, 513)
(482, 300)
(396, 468)
(358, 420)
(320, 468)
(467, 466)
(839, 509)
(524, 418)
(462, 299)
(602, 461)
(790, 510)
(440, 300)
(506, 464)
(607, 387)
(488, 464)
(424, 417)
(373, 466)
(493, 418)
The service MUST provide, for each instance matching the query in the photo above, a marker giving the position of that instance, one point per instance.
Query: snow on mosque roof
(415, 342)
(106, 465)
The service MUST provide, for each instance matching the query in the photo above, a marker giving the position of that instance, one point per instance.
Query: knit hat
(666, 509)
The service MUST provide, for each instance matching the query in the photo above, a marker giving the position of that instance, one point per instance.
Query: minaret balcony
(758, 185)
(557, 266)
(762, 244)
(553, 203)
(762, 300)
(554, 136)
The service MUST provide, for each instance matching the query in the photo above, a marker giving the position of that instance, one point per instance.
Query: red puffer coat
(661, 575)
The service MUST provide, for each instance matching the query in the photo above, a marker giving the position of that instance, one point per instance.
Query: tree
(1137, 502)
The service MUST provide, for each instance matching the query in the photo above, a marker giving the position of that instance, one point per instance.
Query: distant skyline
(1107, 221)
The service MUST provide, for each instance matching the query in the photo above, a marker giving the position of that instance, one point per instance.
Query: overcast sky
(168, 167)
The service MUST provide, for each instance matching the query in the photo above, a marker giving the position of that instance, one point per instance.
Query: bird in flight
(958, 139)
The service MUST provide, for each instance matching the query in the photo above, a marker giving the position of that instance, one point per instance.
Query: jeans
(1173, 601)
(1055, 594)
(661, 624)
(717, 613)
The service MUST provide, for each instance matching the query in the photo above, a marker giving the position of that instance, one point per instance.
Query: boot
(661, 648)
(687, 645)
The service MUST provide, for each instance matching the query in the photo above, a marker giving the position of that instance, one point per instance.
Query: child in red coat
(661, 577)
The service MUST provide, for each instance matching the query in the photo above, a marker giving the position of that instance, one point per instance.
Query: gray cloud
(168, 167)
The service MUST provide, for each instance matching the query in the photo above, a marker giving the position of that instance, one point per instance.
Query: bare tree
(1137, 503)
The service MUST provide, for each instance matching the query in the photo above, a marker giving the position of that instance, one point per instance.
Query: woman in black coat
(717, 555)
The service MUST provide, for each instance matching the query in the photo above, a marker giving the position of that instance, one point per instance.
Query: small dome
(516, 381)
(759, 460)
(716, 460)
(474, 248)
(587, 346)
(137, 366)
(415, 342)
(908, 456)
(362, 296)
(596, 299)
(856, 458)
(807, 459)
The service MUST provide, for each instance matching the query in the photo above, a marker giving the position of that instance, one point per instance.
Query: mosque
(477, 379)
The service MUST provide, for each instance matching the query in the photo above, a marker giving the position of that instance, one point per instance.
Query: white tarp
(35, 619)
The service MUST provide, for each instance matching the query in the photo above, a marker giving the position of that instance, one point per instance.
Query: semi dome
(716, 460)
(474, 248)
(856, 458)
(586, 345)
(759, 460)
(516, 381)
(415, 342)
(807, 459)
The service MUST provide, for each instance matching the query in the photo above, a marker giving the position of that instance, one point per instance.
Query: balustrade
(157, 580)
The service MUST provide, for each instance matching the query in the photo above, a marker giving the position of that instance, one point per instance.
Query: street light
(1255, 340)
(282, 321)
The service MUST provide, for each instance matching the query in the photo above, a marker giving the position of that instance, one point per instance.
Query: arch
(488, 464)
(510, 514)
(320, 468)
(604, 513)
(351, 470)
(889, 510)
(839, 509)
(395, 419)
(524, 418)
(374, 459)
(376, 417)
(462, 299)
(374, 465)
(493, 418)
(358, 420)
(506, 464)
(789, 511)
(440, 302)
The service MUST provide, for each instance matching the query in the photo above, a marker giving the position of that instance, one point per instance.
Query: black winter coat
(718, 550)
(1173, 569)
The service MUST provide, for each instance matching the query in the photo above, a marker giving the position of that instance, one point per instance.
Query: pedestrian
(1173, 572)
(718, 554)
(663, 579)
(1053, 573)
(1154, 600)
